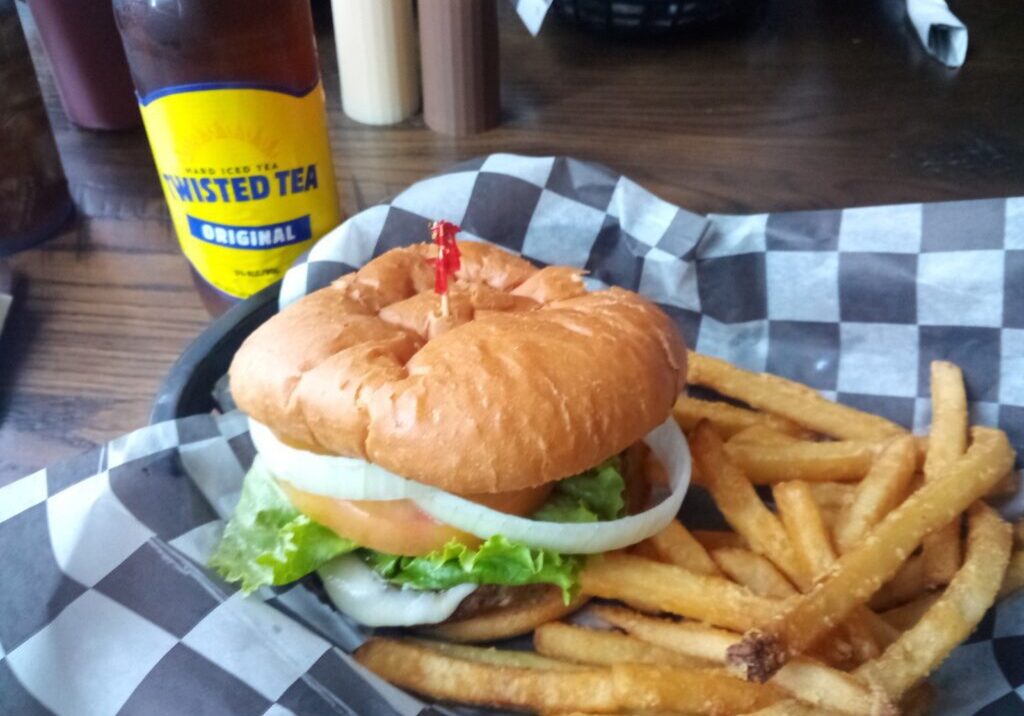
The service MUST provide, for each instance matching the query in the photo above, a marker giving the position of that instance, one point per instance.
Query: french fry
(425, 670)
(754, 572)
(836, 651)
(645, 712)
(692, 639)
(948, 436)
(860, 572)
(830, 689)
(908, 584)
(717, 539)
(740, 504)
(625, 713)
(647, 689)
(804, 678)
(666, 588)
(806, 530)
(791, 707)
(805, 536)
(882, 632)
(794, 401)
(495, 657)
(519, 618)
(646, 686)
(954, 615)
(579, 645)
(810, 539)
(886, 485)
(918, 479)
(907, 615)
(861, 639)
(675, 545)
(921, 442)
(832, 495)
(761, 435)
(728, 419)
(646, 550)
(1014, 579)
(829, 515)
(947, 442)
(811, 461)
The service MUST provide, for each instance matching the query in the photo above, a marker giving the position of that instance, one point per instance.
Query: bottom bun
(494, 612)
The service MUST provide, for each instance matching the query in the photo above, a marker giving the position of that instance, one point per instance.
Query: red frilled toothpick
(447, 262)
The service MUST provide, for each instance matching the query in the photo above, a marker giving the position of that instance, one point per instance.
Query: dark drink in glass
(88, 63)
(34, 199)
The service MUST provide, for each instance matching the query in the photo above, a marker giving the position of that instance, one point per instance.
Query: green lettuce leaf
(496, 561)
(268, 541)
(591, 496)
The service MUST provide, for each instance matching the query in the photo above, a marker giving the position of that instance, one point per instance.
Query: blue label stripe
(251, 238)
(207, 86)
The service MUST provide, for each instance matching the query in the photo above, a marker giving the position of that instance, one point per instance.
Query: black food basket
(658, 17)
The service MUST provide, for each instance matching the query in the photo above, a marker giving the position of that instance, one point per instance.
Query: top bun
(529, 380)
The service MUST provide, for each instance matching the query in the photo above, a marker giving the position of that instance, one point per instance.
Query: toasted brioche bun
(529, 380)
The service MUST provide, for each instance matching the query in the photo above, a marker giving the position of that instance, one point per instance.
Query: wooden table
(822, 105)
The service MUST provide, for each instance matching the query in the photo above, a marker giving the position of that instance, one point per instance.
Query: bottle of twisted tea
(234, 110)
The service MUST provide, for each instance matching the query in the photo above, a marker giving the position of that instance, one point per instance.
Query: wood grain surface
(821, 105)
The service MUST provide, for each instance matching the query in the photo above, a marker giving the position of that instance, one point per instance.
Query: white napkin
(941, 32)
(532, 13)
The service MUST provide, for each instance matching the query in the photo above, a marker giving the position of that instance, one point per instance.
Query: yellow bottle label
(247, 174)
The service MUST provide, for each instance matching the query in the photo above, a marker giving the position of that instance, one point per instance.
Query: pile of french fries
(873, 558)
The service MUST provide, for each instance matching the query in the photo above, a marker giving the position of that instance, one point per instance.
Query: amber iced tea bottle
(231, 98)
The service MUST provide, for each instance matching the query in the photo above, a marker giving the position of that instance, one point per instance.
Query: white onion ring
(666, 442)
(352, 479)
(343, 478)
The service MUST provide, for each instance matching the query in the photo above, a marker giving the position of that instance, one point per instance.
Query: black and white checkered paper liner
(106, 606)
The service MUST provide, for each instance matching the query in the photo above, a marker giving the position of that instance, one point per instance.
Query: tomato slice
(399, 526)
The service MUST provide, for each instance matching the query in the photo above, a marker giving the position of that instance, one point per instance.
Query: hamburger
(441, 460)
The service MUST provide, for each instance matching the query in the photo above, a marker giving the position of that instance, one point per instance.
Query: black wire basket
(658, 17)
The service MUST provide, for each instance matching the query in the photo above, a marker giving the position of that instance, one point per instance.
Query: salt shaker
(377, 60)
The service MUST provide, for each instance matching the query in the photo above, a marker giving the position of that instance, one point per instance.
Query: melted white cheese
(360, 593)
